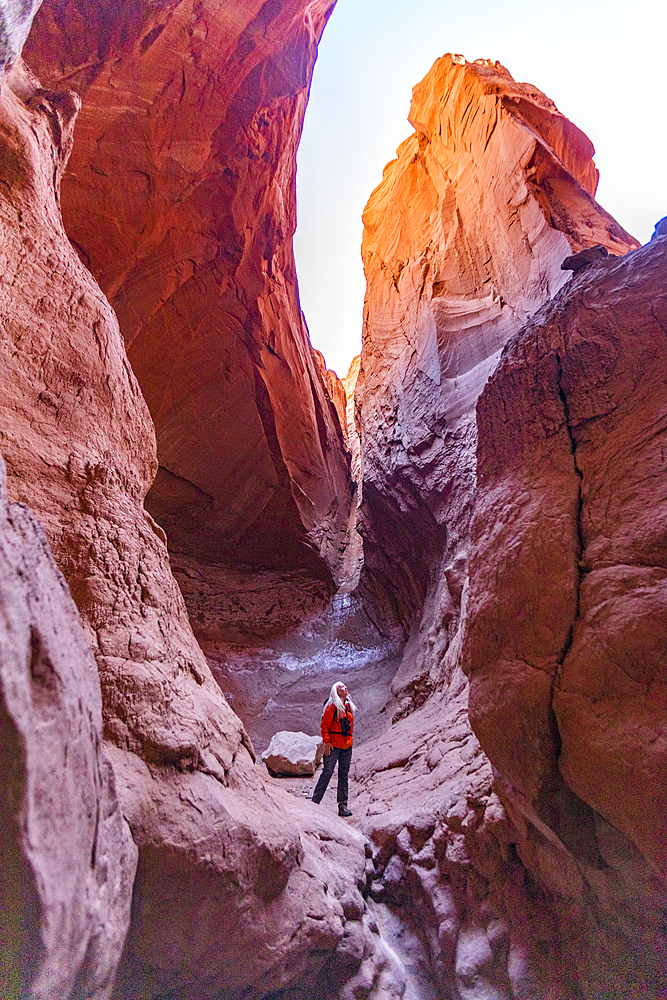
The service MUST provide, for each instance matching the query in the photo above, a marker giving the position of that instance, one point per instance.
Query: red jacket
(331, 728)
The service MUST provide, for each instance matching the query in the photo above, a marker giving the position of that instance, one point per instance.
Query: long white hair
(335, 700)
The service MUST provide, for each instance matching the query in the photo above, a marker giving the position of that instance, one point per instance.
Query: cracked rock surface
(565, 617)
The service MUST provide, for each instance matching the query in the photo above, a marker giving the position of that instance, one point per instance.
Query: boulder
(660, 228)
(576, 262)
(293, 754)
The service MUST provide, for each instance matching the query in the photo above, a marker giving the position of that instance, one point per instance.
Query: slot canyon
(201, 528)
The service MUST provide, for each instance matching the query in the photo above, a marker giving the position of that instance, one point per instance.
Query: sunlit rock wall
(528, 856)
(180, 198)
(463, 240)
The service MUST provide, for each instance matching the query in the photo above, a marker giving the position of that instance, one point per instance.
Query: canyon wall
(511, 467)
(239, 890)
(180, 198)
(67, 860)
(515, 528)
(529, 855)
(463, 240)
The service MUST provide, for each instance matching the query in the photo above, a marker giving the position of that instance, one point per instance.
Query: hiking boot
(343, 810)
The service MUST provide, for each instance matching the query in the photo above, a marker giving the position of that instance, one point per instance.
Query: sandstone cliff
(565, 618)
(518, 535)
(180, 198)
(67, 860)
(539, 873)
(463, 240)
(538, 870)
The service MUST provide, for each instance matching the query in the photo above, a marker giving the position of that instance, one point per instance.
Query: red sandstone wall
(463, 241)
(519, 537)
(234, 893)
(180, 197)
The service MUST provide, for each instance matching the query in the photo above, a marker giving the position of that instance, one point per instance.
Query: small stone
(293, 754)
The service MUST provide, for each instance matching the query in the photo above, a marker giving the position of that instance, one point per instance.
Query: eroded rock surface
(565, 632)
(533, 871)
(80, 449)
(291, 753)
(463, 241)
(180, 197)
(15, 21)
(67, 859)
(226, 869)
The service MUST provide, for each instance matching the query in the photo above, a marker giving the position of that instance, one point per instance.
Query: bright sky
(601, 61)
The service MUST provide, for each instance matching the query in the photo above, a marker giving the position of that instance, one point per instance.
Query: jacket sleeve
(327, 720)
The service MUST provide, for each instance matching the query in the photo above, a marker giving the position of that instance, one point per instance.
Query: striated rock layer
(463, 240)
(180, 197)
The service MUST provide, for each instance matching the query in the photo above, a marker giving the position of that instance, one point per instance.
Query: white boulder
(293, 754)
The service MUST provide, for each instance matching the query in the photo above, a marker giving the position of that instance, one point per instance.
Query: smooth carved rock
(180, 197)
(463, 241)
(67, 860)
(293, 753)
(80, 448)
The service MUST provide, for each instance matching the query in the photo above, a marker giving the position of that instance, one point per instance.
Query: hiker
(337, 727)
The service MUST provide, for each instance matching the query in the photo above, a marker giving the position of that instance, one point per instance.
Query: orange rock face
(463, 240)
(180, 197)
(537, 864)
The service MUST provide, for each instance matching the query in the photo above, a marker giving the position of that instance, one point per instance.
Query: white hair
(335, 700)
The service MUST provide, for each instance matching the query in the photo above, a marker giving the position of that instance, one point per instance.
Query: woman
(337, 727)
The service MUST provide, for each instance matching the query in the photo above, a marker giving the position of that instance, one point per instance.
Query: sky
(602, 62)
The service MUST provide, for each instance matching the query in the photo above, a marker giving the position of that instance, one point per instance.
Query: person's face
(342, 692)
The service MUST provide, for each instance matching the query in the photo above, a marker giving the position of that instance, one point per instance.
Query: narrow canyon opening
(204, 528)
